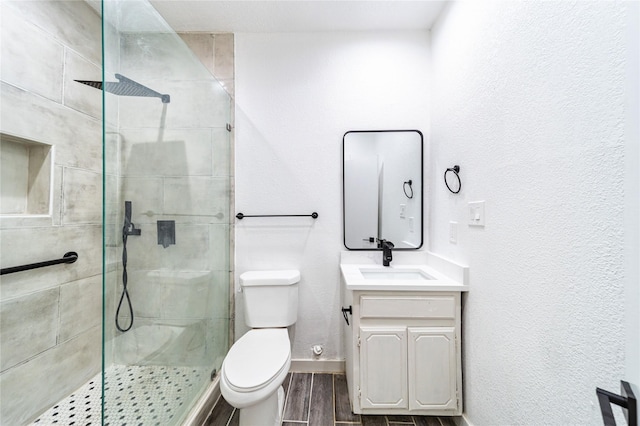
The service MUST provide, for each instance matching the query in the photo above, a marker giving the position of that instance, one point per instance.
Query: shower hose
(125, 293)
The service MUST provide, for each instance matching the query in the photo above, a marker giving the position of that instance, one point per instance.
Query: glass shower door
(166, 220)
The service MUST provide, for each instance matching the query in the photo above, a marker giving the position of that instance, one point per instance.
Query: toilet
(253, 371)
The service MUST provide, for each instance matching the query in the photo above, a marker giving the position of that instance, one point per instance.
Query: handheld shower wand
(128, 229)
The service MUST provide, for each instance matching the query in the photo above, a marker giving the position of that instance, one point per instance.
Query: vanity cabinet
(403, 352)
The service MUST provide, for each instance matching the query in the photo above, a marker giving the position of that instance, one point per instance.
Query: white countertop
(350, 268)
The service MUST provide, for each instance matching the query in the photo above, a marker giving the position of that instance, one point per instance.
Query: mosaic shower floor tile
(134, 395)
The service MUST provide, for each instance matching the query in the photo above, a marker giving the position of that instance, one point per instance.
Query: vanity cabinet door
(383, 367)
(432, 368)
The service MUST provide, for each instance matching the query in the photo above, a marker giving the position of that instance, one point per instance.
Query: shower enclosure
(165, 189)
(165, 226)
(166, 219)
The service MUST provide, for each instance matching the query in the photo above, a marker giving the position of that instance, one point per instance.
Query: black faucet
(386, 247)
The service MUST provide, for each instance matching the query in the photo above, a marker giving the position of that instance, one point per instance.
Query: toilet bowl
(254, 369)
(253, 372)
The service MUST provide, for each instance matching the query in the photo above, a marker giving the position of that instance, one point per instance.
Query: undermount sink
(366, 276)
(394, 274)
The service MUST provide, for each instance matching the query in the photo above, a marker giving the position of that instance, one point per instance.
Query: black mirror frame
(344, 230)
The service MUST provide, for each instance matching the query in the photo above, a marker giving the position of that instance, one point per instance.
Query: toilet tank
(270, 298)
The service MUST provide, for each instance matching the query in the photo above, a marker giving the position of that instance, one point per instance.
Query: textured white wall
(529, 101)
(632, 196)
(296, 95)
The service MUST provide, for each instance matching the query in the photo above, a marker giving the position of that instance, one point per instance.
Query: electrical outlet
(453, 232)
(403, 210)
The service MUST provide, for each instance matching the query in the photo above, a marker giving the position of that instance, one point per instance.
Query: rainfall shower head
(126, 87)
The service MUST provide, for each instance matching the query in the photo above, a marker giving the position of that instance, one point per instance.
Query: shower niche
(25, 176)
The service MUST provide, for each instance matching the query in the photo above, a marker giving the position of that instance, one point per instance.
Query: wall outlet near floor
(453, 232)
(476, 213)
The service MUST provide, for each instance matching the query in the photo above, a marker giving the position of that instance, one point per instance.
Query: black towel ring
(455, 169)
(404, 188)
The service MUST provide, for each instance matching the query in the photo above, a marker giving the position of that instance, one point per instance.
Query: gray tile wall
(216, 52)
(50, 337)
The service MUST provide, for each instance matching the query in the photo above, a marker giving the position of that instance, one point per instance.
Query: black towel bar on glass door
(68, 257)
(242, 215)
(627, 400)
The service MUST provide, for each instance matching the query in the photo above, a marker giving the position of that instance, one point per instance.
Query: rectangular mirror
(382, 188)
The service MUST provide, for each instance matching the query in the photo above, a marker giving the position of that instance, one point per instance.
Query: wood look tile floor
(321, 399)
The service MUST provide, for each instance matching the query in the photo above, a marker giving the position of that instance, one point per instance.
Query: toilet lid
(256, 358)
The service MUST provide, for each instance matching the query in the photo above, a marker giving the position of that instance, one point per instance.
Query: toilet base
(267, 412)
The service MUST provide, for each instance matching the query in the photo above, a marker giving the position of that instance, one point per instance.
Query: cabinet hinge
(359, 394)
(359, 342)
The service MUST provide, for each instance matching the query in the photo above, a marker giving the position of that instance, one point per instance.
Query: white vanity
(402, 343)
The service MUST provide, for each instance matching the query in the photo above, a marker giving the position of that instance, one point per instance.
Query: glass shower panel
(166, 288)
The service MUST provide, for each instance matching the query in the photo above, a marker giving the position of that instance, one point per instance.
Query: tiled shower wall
(50, 340)
(215, 51)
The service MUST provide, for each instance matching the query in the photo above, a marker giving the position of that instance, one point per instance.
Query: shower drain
(135, 395)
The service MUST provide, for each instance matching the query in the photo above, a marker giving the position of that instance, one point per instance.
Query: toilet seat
(256, 359)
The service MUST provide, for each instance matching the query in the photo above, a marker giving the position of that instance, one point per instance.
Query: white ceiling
(298, 15)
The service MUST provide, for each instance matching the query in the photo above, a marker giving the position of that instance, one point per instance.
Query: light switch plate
(476, 213)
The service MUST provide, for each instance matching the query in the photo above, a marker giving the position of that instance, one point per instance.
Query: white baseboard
(205, 405)
(462, 420)
(317, 366)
